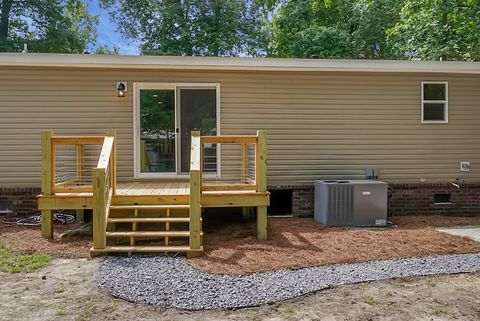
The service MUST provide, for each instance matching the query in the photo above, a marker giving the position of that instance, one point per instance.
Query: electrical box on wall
(465, 166)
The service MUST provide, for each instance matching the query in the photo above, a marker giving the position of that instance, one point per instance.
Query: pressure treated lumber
(195, 241)
(261, 179)
(147, 249)
(47, 183)
(148, 234)
(148, 220)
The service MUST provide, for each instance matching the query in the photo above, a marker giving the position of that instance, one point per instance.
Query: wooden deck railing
(65, 162)
(75, 178)
(199, 185)
(252, 174)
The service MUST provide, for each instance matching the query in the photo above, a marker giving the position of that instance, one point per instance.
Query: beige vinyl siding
(320, 124)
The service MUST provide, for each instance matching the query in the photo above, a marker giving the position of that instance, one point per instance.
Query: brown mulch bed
(231, 247)
(20, 239)
(295, 243)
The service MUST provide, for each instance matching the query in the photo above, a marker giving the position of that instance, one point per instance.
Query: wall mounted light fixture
(121, 88)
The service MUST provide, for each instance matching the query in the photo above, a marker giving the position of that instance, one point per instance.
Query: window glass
(434, 111)
(434, 92)
(157, 131)
(198, 111)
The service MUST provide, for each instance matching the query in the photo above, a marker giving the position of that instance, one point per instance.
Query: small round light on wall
(121, 88)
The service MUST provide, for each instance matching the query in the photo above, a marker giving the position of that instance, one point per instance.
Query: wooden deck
(148, 204)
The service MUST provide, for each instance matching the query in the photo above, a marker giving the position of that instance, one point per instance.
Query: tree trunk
(5, 18)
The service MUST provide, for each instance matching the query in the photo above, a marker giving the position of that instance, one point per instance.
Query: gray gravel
(171, 282)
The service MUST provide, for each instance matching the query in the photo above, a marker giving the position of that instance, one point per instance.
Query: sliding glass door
(165, 116)
(197, 112)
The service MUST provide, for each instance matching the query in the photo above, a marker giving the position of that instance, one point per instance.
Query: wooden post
(246, 213)
(99, 209)
(80, 215)
(113, 163)
(195, 193)
(47, 182)
(261, 181)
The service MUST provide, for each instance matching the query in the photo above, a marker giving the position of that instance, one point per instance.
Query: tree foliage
(190, 27)
(373, 29)
(333, 28)
(105, 50)
(46, 25)
(399, 29)
(437, 29)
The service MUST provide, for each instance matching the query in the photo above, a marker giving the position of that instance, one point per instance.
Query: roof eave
(234, 64)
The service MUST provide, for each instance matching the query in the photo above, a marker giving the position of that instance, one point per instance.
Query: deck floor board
(153, 188)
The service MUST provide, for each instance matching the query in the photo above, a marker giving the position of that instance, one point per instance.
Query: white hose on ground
(35, 220)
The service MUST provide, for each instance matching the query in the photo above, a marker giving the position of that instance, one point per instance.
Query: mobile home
(414, 124)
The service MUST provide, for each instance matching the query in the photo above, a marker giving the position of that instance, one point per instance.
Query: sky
(107, 35)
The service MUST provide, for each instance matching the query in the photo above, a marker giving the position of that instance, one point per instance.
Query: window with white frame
(434, 102)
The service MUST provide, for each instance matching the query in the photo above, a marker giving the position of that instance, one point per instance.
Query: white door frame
(136, 126)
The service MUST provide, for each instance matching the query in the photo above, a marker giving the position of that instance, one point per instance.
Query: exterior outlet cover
(465, 166)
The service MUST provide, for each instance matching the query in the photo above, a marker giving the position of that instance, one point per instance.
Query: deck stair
(166, 227)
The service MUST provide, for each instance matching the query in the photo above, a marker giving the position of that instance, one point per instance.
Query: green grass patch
(370, 301)
(440, 310)
(13, 263)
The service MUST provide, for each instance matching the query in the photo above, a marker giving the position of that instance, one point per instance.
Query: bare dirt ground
(66, 290)
(232, 248)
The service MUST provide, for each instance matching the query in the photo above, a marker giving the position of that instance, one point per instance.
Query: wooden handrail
(229, 139)
(106, 153)
(103, 191)
(74, 140)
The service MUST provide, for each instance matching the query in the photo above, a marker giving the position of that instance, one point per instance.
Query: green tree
(105, 50)
(437, 29)
(332, 28)
(191, 27)
(46, 25)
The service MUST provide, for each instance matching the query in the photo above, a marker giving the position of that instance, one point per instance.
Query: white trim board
(234, 63)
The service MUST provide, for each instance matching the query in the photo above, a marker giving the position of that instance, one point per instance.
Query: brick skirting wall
(23, 199)
(407, 199)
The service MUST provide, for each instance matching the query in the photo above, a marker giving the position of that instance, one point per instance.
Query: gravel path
(171, 282)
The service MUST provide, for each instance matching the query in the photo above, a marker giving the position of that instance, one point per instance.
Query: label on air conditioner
(380, 222)
(366, 193)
